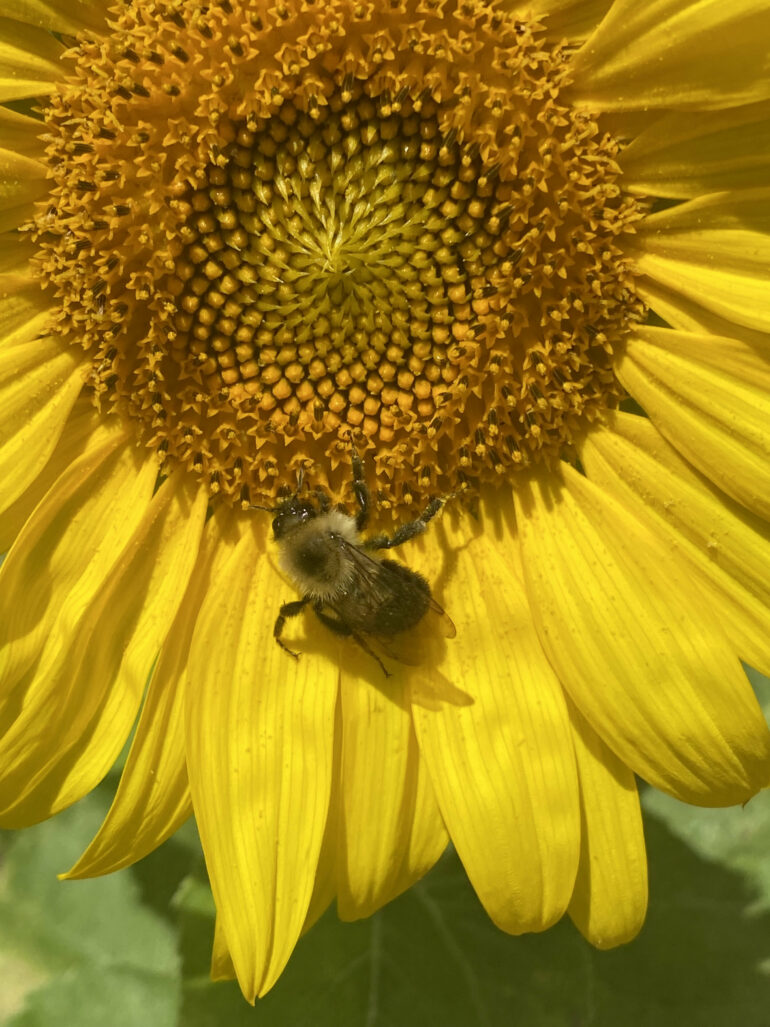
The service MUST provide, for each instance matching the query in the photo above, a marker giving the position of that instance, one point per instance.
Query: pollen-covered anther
(279, 231)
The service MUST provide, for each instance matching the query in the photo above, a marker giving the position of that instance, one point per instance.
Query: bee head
(290, 515)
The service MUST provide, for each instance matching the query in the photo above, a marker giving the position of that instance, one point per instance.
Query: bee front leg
(361, 491)
(410, 530)
(322, 499)
(286, 611)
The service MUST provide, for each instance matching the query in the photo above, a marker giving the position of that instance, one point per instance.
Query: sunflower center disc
(278, 227)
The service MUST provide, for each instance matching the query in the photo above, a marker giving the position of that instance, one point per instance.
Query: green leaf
(433, 956)
(79, 953)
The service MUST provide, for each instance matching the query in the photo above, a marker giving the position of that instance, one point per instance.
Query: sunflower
(516, 255)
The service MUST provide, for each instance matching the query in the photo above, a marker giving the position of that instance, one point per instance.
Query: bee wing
(445, 624)
(403, 648)
(370, 570)
(411, 646)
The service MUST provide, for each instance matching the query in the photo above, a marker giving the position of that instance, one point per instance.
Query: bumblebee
(353, 591)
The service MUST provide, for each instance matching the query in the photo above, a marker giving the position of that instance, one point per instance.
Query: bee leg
(410, 530)
(340, 628)
(337, 626)
(361, 491)
(286, 611)
(322, 499)
(368, 649)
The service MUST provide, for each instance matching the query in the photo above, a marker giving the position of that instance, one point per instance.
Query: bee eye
(292, 514)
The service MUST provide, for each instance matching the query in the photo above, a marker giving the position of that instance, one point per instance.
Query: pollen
(277, 229)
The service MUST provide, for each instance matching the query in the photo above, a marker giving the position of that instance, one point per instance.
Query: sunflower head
(278, 227)
(261, 240)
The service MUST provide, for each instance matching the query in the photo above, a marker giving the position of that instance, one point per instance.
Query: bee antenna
(255, 506)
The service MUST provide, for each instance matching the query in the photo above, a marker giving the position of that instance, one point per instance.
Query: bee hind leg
(332, 623)
(368, 649)
(286, 611)
(340, 628)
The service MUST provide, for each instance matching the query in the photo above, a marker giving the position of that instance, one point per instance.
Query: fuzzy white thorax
(337, 575)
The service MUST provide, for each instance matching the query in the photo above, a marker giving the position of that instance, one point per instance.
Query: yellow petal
(574, 19)
(714, 250)
(638, 650)
(22, 134)
(30, 61)
(666, 53)
(325, 886)
(686, 155)
(76, 436)
(690, 316)
(22, 183)
(391, 829)
(24, 308)
(726, 548)
(39, 383)
(625, 126)
(503, 767)
(610, 899)
(710, 397)
(16, 252)
(66, 551)
(153, 798)
(222, 968)
(259, 750)
(66, 16)
(83, 697)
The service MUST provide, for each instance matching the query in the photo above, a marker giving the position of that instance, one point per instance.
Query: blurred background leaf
(132, 949)
(85, 952)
